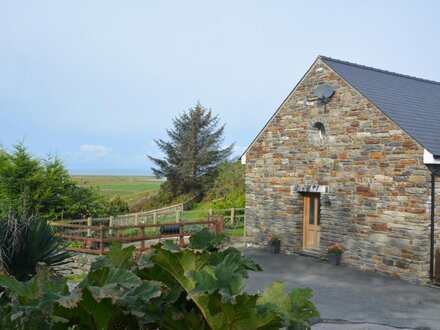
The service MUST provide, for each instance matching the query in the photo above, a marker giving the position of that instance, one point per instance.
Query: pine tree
(193, 151)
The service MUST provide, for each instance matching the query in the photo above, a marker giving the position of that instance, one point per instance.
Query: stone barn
(349, 157)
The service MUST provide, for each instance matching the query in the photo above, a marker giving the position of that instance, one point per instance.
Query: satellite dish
(323, 92)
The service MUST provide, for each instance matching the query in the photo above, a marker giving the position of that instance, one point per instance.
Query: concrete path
(344, 293)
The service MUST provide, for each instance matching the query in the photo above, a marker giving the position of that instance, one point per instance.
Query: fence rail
(174, 213)
(96, 239)
(84, 234)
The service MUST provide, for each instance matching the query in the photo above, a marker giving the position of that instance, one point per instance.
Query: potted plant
(334, 251)
(273, 243)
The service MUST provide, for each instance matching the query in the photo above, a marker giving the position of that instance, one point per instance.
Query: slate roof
(412, 103)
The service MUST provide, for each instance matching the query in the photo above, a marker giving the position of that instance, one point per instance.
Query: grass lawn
(119, 185)
(130, 188)
(235, 232)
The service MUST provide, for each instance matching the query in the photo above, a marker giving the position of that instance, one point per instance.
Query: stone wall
(378, 186)
(79, 264)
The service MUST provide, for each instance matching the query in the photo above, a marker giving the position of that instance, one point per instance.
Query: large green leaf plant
(198, 287)
(26, 242)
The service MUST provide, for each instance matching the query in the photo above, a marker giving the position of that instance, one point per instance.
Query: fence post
(177, 216)
(101, 241)
(142, 238)
(232, 216)
(209, 213)
(155, 217)
(110, 223)
(89, 231)
(181, 234)
(89, 223)
(219, 225)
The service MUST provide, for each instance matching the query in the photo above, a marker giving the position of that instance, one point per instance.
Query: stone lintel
(312, 188)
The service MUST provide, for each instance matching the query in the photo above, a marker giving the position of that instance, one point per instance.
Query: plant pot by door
(274, 247)
(334, 259)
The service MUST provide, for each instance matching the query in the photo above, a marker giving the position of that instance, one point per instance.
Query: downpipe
(434, 173)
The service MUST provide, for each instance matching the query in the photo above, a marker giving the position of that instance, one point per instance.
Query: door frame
(316, 227)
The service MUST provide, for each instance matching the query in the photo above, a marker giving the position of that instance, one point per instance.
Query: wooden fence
(153, 216)
(96, 239)
(234, 218)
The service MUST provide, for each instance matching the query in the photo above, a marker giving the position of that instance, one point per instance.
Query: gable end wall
(378, 186)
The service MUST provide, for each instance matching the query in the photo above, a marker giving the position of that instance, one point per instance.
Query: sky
(94, 82)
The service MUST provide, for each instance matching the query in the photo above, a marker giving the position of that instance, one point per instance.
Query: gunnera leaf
(88, 312)
(30, 304)
(234, 256)
(178, 320)
(110, 282)
(137, 297)
(169, 245)
(206, 240)
(171, 267)
(224, 277)
(118, 257)
(295, 307)
(244, 314)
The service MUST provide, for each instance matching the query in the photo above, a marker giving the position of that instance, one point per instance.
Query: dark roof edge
(278, 109)
(324, 58)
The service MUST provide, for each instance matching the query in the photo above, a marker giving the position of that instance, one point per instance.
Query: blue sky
(94, 82)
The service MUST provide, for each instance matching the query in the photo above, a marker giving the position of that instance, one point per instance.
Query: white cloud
(95, 150)
(90, 153)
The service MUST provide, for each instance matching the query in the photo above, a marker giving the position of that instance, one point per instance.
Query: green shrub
(26, 242)
(199, 287)
(117, 206)
(229, 186)
(43, 189)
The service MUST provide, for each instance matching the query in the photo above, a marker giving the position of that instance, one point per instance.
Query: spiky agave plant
(26, 242)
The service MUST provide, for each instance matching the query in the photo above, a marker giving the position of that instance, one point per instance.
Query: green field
(130, 188)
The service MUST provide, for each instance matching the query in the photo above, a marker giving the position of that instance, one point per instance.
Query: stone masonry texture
(376, 182)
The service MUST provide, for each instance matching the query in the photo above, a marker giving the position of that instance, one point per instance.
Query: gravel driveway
(344, 293)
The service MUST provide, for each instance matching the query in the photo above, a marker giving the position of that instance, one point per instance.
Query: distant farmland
(130, 188)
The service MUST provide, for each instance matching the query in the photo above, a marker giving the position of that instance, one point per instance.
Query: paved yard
(343, 293)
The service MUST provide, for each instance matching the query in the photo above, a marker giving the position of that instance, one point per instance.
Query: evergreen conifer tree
(193, 151)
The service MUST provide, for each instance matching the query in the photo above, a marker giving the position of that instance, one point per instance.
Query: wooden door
(312, 223)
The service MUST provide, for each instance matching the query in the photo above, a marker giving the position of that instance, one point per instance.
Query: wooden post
(89, 232)
(142, 238)
(181, 234)
(232, 216)
(177, 216)
(219, 225)
(89, 223)
(110, 223)
(155, 217)
(209, 214)
(101, 242)
(136, 219)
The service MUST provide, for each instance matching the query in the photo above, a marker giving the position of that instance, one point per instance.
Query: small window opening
(321, 129)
